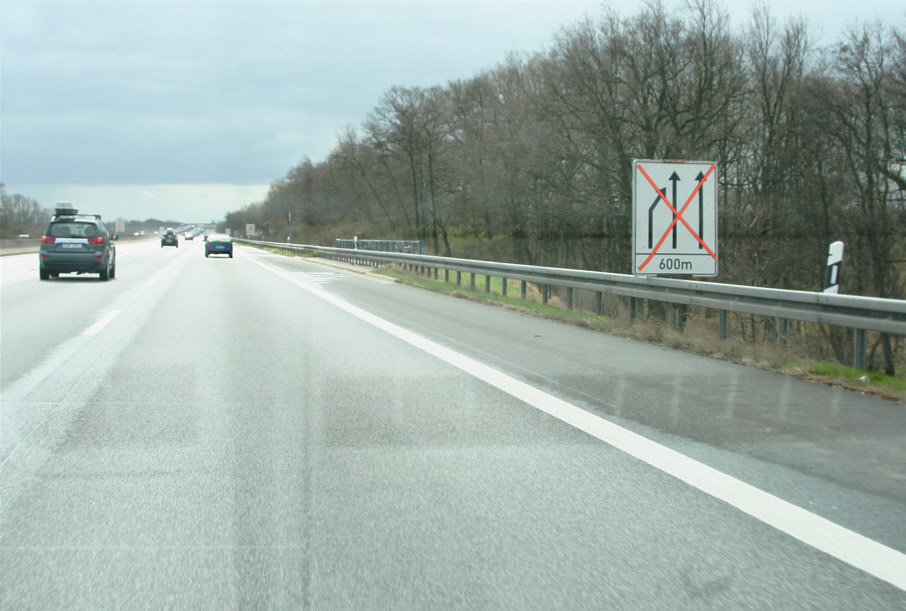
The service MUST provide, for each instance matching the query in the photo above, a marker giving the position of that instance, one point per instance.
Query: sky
(188, 110)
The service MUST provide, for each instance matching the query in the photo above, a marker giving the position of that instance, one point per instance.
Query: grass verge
(285, 253)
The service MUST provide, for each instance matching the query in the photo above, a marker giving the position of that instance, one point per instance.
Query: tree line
(531, 161)
(21, 215)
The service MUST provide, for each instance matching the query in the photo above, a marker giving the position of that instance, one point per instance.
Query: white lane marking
(103, 322)
(156, 277)
(107, 318)
(15, 392)
(848, 546)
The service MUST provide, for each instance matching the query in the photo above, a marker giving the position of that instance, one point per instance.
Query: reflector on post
(834, 261)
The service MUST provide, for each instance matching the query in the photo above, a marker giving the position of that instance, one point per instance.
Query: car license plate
(70, 246)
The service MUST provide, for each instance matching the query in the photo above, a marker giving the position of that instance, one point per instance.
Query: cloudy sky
(186, 110)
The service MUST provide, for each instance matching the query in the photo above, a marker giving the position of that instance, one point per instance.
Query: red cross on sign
(674, 218)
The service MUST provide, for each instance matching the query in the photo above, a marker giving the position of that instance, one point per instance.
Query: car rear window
(73, 229)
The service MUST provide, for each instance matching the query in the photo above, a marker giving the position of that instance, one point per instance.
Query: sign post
(674, 218)
(834, 261)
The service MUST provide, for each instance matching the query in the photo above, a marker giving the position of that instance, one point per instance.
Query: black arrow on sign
(701, 212)
(650, 215)
(675, 179)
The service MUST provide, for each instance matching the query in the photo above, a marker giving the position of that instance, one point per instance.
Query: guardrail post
(569, 298)
(599, 303)
(723, 326)
(784, 333)
(545, 293)
(633, 306)
(503, 286)
(860, 347)
(523, 289)
(458, 278)
(446, 276)
(472, 281)
(674, 317)
(487, 284)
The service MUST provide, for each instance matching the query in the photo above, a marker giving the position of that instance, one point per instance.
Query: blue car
(218, 244)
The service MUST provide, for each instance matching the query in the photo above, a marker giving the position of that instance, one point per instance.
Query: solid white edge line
(866, 554)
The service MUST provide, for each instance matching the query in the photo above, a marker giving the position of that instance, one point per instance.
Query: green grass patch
(860, 380)
(836, 370)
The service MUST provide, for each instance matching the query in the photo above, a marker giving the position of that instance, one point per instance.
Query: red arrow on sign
(677, 216)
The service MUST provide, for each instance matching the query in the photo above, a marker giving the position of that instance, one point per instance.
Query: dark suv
(77, 243)
(169, 239)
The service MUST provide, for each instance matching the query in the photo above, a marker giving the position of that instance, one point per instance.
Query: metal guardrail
(851, 311)
(404, 246)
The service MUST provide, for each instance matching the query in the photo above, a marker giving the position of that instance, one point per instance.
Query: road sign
(674, 218)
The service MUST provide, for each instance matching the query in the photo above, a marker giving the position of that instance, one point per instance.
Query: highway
(274, 432)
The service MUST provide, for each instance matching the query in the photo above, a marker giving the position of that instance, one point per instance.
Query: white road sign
(674, 218)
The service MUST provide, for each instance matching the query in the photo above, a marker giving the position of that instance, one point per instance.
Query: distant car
(190, 235)
(78, 243)
(218, 244)
(169, 238)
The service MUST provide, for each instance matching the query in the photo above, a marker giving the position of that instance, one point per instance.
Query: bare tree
(409, 129)
(762, 218)
(864, 109)
(20, 215)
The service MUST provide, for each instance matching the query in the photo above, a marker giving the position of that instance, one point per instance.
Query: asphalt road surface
(269, 432)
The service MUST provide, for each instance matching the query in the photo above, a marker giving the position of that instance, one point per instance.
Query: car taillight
(46, 239)
(98, 240)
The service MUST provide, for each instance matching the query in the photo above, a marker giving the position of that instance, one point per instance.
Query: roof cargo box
(65, 209)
